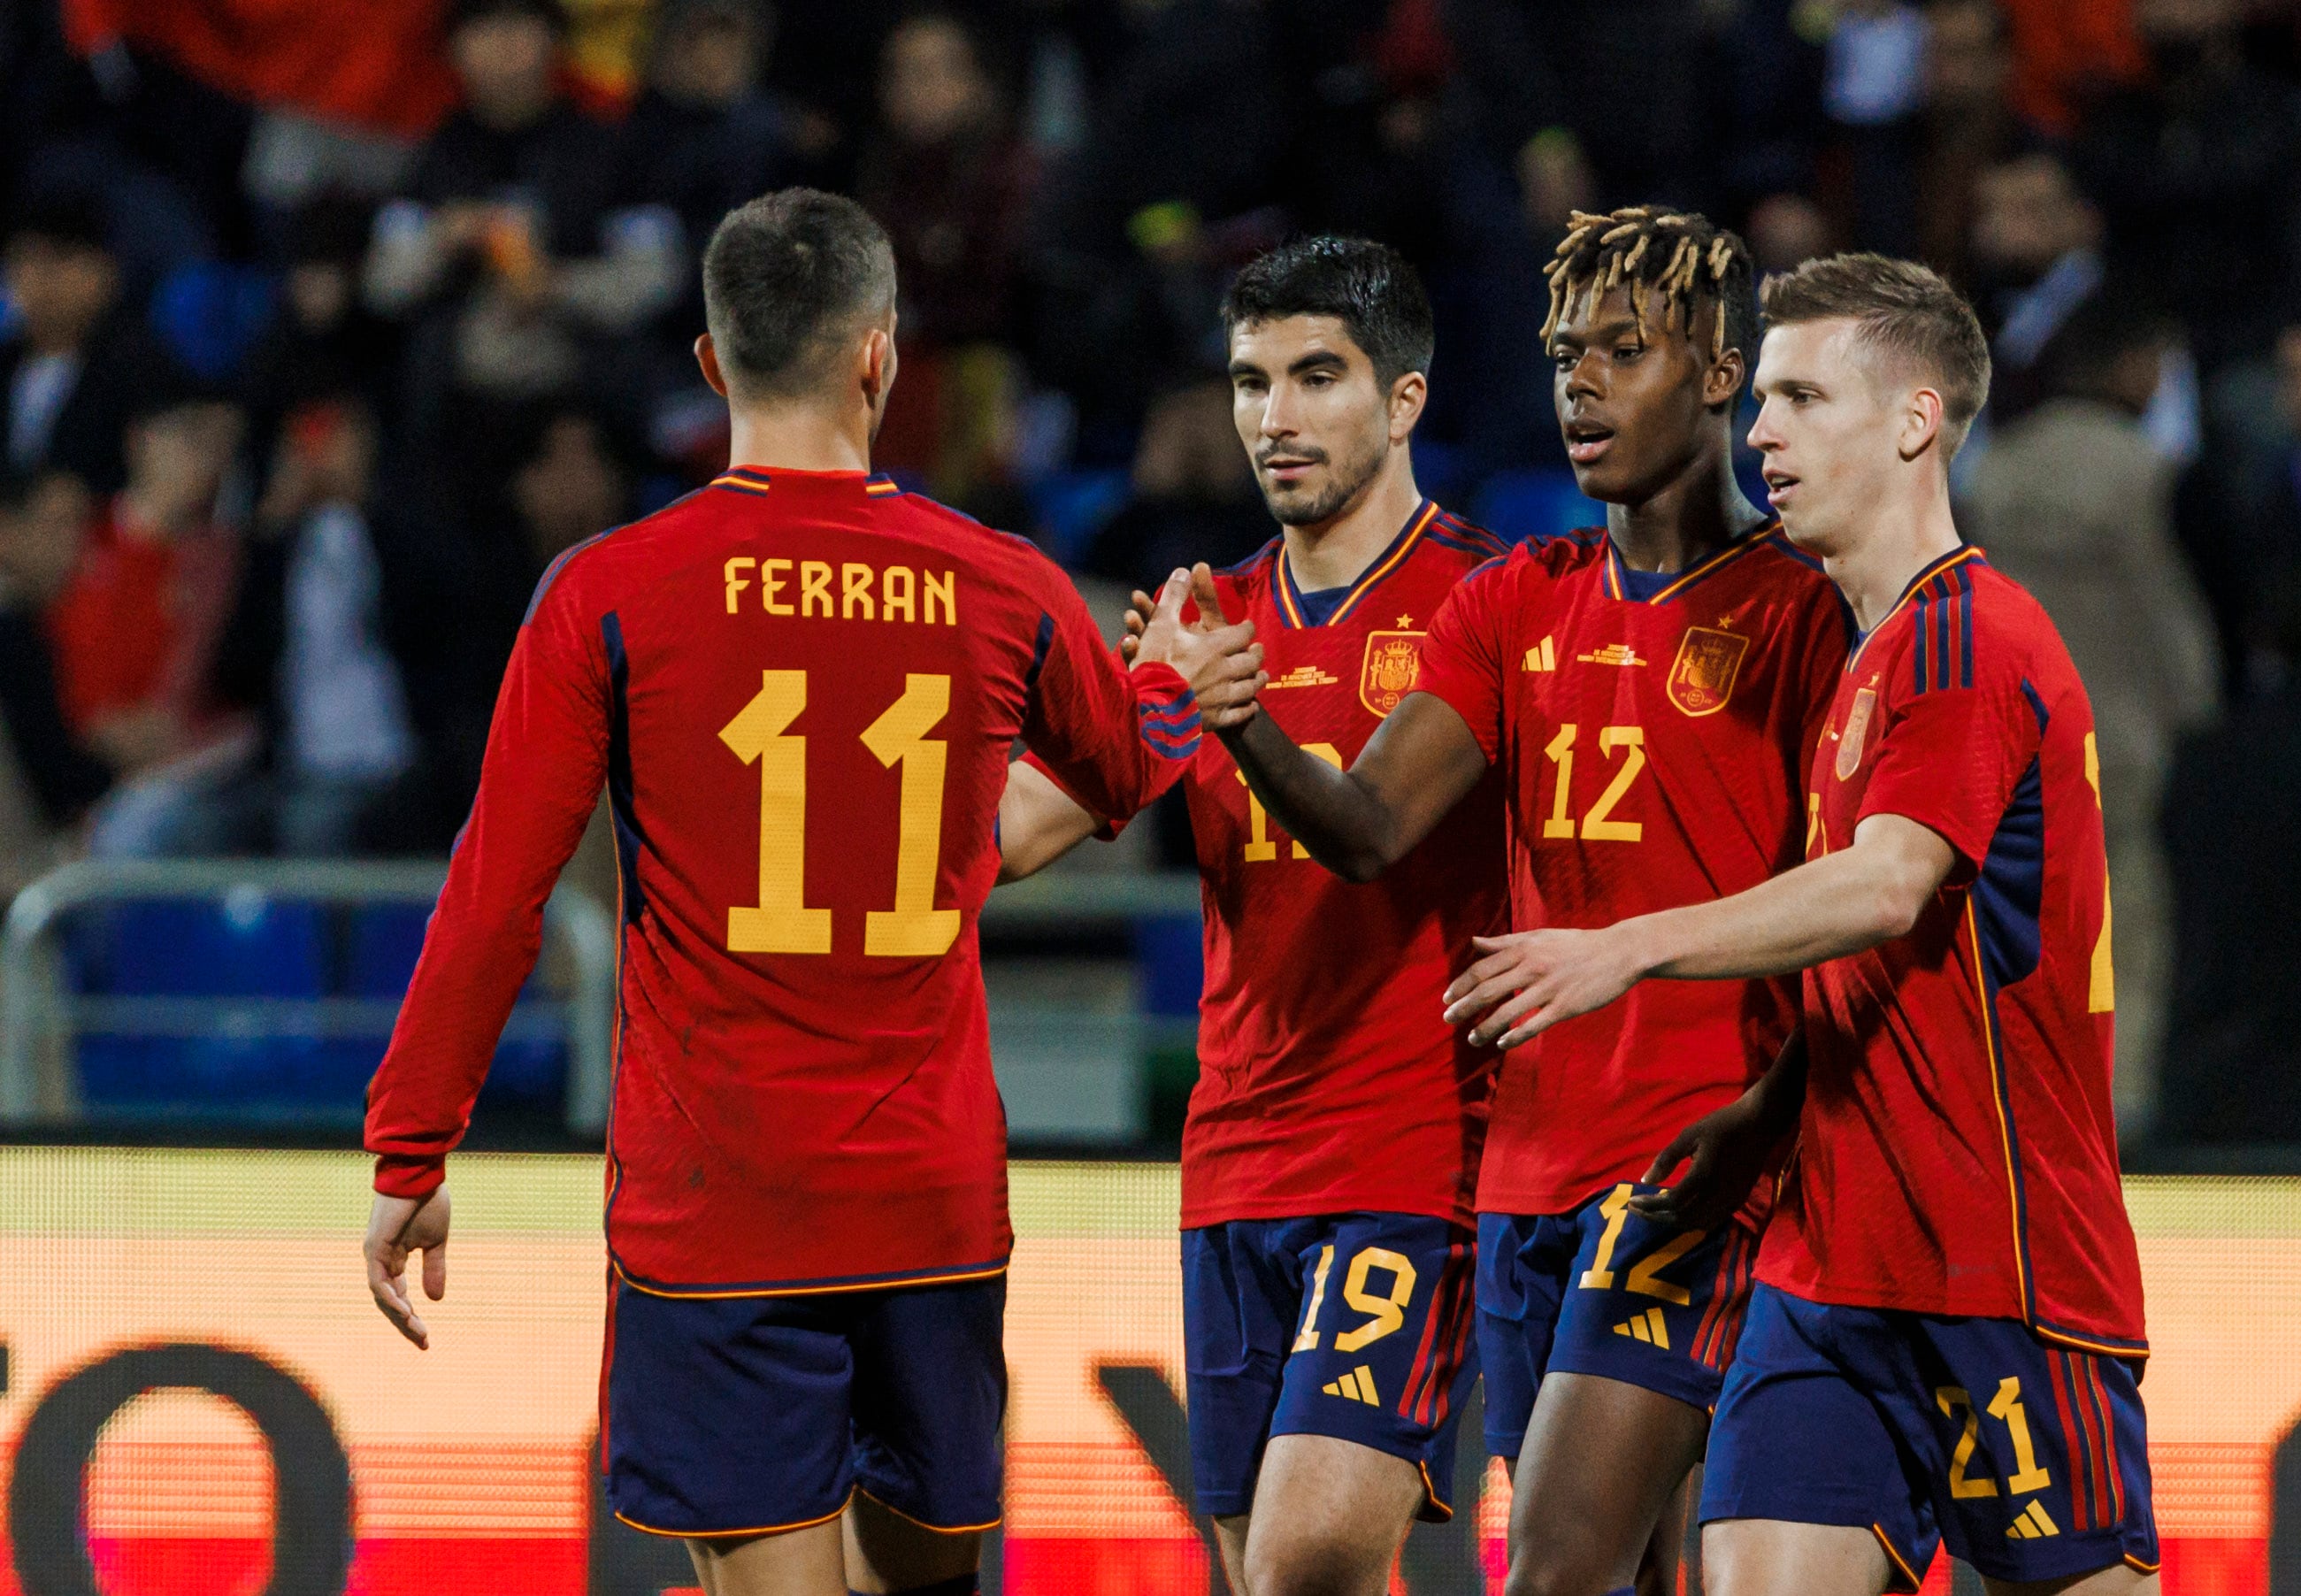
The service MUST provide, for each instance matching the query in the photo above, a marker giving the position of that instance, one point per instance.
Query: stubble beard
(1345, 481)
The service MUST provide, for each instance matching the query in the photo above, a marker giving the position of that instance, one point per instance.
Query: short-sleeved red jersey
(1653, 732)
(800, 691)
(1958, 1153)
(1328, 1081)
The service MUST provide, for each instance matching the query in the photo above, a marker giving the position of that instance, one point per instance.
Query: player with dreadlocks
(1651, 691)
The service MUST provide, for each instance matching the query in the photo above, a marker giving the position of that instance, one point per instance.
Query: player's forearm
(1037, 823)
(1337, 815)
(1824, 910)
(1779, 1096)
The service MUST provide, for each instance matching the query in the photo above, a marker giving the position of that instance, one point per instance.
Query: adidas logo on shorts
(1647, 1326)
(1357, 1385)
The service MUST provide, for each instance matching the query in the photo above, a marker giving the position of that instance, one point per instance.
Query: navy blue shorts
(750, 1414)
(2031, 1459)
(1353, 1325)
(1601, 1291)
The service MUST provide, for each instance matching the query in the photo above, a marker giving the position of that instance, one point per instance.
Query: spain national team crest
(1392, 661)
(1701, 677)
(1856, 733)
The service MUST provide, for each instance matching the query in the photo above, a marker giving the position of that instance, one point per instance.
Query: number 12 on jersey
(781, 922)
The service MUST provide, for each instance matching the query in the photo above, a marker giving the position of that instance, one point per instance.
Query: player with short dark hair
(799, 687)
(1650, 692)
(1946, 1339)
(1331, 1151)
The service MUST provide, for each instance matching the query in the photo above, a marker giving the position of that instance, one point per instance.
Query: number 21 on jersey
(781, 922)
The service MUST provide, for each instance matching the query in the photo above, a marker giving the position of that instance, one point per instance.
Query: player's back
(812, 682)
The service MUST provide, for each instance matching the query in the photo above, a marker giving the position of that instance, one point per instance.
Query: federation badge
(1701, 677)
(1393, 659)
(1857, 730)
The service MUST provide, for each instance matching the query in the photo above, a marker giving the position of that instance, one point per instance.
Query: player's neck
(799, 438)
(1904, 535)
(1697, 514)
(1336, 552)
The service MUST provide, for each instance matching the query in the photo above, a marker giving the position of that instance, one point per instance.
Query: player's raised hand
(397, 1226)
(1531, 980)
(1222, 662)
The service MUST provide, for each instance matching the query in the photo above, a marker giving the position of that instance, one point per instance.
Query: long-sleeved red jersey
(800, 691)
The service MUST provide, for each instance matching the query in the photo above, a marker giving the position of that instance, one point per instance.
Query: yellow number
(1595, 825)
(1561, 752)
(1258, 822)
(1308, 1342)
(1952, 1400)
(1643, 1278)
(781, 922)
(760, 733)
(2101, 991)
(2007, 1405)
(1260, 847)
(913, 928)
(1616, 1210)
(1389, 1312)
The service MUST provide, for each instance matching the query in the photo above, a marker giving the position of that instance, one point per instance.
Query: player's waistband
(934, 1276)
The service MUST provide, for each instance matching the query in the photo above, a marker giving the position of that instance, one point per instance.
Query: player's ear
(1921, 422)
(1721, 384)
(878, 362)
(1408, 395)
(707, 355)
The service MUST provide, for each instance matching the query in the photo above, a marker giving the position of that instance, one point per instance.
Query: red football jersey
(1958, 1153)
(801, 690)
(1653, 731)
(1328, 1081)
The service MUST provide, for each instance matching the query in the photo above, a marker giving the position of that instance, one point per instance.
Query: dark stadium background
(356, 313)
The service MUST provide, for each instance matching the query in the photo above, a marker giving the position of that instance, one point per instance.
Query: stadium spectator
(136, 629)
(2072, 502)
(512, 248)
(1968, 124)
(943, 174)
(2232, 1069)
(2037, 248)
(80, 356)
(324, 342)
(1194, 495)
(706, 134)
(305, 646)
(2199, 173)
(42, 520)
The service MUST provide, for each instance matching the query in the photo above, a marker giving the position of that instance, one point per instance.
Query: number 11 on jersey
(781, 922)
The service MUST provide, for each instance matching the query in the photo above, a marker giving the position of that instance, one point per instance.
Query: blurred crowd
(325, 330)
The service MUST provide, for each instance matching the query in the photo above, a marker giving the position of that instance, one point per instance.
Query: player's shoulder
(1545, 557)
(1968, 624)
(997, 550)
(1447, 537)
(1252, 576)
(587, 574)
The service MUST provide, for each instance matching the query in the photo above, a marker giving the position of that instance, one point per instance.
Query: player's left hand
(1539, 978)
(397, 1226)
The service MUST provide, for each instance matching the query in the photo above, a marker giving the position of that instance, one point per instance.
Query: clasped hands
(1220, 660)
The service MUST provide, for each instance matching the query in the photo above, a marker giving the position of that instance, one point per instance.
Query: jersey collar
(1290, 597)
(1617, 570)
(759, 479)
(1961, 554)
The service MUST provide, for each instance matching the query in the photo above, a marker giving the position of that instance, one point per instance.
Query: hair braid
(1682, 257)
